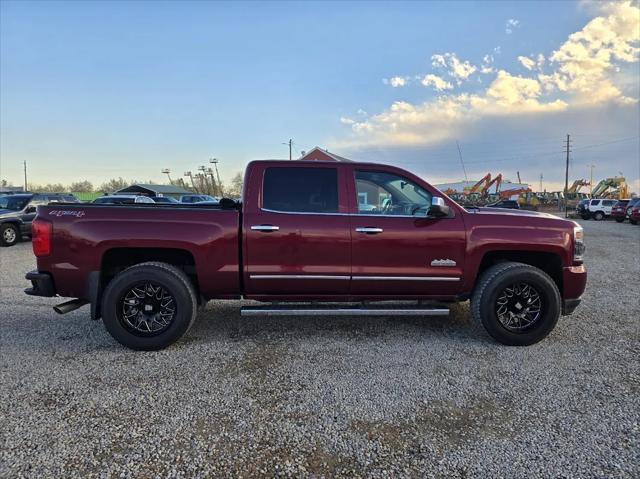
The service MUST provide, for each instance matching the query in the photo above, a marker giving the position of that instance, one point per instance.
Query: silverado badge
(443, 262)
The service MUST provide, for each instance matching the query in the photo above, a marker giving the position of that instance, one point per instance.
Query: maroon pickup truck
(306, 234)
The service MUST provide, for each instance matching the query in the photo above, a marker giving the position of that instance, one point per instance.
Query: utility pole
(519, 180)
(591, 167)
(206, 181)
(566, 177)
(290, 143)
(193, 183)
(541, 182)
(461, 162)
(25, 175)
(214, 184)
(215, 165)
(167, 172)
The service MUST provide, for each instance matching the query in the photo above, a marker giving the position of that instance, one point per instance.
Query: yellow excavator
(615, 188)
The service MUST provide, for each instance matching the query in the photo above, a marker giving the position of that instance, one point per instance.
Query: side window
(380, 193)
(302, 190)
(595, 202)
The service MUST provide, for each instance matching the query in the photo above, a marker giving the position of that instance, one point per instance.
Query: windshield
(13, 203)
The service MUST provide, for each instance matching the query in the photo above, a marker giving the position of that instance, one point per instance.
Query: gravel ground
(326, 396)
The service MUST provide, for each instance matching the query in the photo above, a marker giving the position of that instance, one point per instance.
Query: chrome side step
(297, 310)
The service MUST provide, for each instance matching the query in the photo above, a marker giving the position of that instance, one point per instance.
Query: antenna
(462, 162)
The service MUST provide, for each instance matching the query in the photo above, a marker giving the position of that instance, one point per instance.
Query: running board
(284, 310)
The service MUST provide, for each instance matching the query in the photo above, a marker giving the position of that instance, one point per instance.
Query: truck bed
(91, 237)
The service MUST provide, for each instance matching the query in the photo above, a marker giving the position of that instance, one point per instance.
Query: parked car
(299, 235)
(634, 218)
(122, 199)
(165, 200)
(619, 210)
(198, 198)
(633, 202)
(509, 204)
(17, 211)
(582, 209)
(599, 209)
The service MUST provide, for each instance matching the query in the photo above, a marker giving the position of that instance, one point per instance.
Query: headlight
(578, 244)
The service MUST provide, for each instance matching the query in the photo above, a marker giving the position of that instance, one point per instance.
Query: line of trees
(232, 189)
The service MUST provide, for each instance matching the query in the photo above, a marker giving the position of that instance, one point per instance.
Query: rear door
(397, 249)
(296, 230)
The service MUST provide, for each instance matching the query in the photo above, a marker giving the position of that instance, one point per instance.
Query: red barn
(318, 154)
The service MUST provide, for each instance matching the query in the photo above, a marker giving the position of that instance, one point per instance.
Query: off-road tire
(633, 222)
(174, 281)
(498, 277)
(598, 216)
(10, 230)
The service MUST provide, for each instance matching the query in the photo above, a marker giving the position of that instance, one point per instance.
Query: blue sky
(95, 90)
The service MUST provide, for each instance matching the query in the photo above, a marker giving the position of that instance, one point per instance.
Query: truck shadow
(222, 321)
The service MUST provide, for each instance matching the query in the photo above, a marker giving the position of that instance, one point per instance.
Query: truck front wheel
(517, 304)
(149, 306)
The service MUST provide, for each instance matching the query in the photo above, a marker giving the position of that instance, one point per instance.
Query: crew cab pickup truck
(306, 236)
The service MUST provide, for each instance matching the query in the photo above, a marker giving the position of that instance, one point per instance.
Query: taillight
(41, 237)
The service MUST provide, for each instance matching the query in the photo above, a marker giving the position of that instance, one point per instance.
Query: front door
(297, 236)
(396, 248)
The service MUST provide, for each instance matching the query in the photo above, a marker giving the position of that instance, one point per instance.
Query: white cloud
(397, 81)
(527, 62)
(347, 121)
(438, 83)
(585, 61)
(487, 62)
(580, 73)
(531, 63)
(511, 24)
(456, 68)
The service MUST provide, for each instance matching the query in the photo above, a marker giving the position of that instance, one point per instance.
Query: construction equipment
(575, 187)
(485, 189)
(614, 187)
(477, 187)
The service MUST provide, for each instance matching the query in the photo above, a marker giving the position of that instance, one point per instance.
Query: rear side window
(303, 190)
(608, 202)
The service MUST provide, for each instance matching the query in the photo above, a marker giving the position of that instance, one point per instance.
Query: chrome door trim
(369, 229)
(298, 276)
(355, 278)
(405, 278)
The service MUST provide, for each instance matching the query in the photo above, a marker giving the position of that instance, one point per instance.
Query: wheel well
(118, 259)
(550, 263)
(14, 223)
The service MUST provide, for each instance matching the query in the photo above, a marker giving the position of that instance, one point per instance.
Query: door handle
(265, 228)
(369, 230)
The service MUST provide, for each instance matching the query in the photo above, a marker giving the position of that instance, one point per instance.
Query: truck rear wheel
(9, 234)
(149, 306)
(517, 304)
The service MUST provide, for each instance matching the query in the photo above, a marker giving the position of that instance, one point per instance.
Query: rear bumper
(618, 214)
(41, 284)
(574, 281)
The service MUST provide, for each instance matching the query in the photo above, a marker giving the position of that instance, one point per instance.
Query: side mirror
(438, 208)
(30, 209)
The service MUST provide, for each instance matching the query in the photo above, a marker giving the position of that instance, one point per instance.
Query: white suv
(600, 208)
